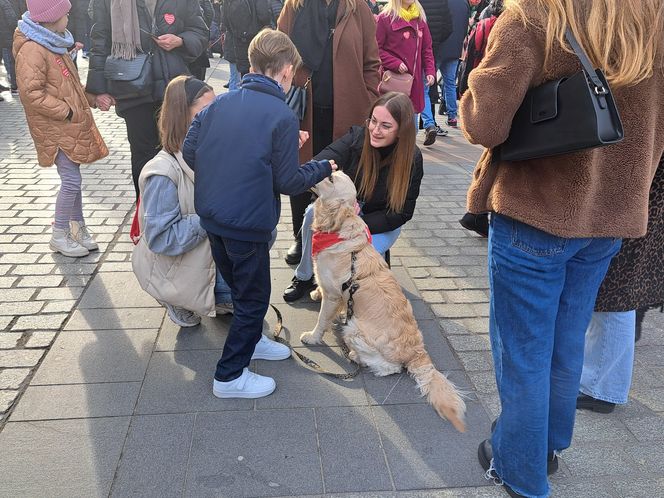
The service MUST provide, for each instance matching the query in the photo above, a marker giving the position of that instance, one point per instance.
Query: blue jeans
(10, 66)
(305, 270)
(448, 88)
(427, 117)
(245, 266)
(609, 356)
(235, 79)
(543, 289)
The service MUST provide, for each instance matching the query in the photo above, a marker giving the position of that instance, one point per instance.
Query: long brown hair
(622, 37)
(401, 160)
(174, 119)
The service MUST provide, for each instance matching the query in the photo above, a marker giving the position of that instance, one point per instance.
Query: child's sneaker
(63, 242)
(224, 308)
(81, 235)
(452, 122)
(430, 135)
(267, 349)
(247, 385)
(182, 317)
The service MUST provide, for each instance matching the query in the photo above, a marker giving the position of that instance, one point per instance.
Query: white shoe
(267, 349)
(182, 317)
(63, 242)
(224, 308)
(247, 385)
(81, 235)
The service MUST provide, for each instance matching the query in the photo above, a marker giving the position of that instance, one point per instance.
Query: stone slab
(154, 458)
(110, 319)
(298, 386)
(61, 458)
(77, 401)
(351, 452)
(424, 451)
(12, 378)
(116, 290)
(101, 356)
(19, 358)
(270, 453)
(181, 382)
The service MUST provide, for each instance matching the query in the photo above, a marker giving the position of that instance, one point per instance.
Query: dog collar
(323, 240)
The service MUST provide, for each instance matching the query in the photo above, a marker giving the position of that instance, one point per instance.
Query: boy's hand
(304, 136)
(104, 101)
(333, 165)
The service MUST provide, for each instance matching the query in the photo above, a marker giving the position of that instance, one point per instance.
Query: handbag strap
(599, 89)
(417, 46)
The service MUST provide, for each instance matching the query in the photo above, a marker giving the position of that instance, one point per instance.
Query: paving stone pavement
(101, 395)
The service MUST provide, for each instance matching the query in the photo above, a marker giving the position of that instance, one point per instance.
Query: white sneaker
(247, 385)
(267, 349)
(224, 308)
(81, 235)
(63, 242)
(182, 317)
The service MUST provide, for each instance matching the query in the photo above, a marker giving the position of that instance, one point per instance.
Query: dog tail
(439, 391)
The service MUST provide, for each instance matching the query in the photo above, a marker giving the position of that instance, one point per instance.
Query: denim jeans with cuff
(543, 289)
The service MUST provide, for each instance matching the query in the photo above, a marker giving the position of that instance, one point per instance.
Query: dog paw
(316, 295)
(310, 338)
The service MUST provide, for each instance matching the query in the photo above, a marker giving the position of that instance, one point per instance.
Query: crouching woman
(172, 259)
(386, 167)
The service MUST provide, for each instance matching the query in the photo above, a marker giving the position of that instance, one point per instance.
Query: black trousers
(321, 136)
(143, 136)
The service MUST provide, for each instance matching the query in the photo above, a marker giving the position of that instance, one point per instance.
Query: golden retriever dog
(382, 333)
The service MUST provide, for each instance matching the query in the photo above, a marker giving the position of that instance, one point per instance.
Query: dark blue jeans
(245, 267)
(543, 290)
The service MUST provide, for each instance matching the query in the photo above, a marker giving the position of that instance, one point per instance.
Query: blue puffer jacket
(244, 150)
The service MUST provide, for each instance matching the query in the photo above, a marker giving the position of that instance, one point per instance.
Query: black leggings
(321, 137)
(143, 136)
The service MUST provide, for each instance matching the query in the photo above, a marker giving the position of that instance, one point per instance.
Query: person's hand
(304, 136)
(402, 68)
(333, 165)
(168, 42)
(430, 80)
(104, 101)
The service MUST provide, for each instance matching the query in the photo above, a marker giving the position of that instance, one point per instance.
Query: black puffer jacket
(8, 20)
(439, 20)
(188, 25)
(346, 152)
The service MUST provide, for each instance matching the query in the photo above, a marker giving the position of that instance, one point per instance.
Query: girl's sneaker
(81, 235)
(63, 242)
(452, 122)
(182, 317)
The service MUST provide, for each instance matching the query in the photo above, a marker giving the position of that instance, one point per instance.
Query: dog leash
(308, 361)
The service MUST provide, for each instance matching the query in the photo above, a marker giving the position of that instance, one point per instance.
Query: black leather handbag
(296, 99)
(567, 115)
(129, 79)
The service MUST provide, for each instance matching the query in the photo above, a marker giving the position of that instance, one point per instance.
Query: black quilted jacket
(439, 20)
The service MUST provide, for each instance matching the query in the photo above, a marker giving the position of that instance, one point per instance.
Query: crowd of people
(575, 240)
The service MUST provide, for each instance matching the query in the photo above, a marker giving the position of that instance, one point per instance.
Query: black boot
(298, 288)
(551, 457)
(294, 254)
(585, 402)
(640, 315)
(484, 455)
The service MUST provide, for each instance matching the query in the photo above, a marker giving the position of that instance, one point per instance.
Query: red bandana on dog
(322, 240)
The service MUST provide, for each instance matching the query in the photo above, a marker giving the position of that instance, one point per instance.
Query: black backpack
(245, 18)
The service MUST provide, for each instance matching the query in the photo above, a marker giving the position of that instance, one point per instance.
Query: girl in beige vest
(172, 260)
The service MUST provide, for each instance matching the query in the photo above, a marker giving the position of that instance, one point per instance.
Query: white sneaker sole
(242, 394)
(179, 322)
(68, 253)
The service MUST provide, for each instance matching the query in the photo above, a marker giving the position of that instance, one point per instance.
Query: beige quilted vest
(186, 280)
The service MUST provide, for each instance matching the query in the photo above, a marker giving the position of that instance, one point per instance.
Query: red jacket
(397, 43)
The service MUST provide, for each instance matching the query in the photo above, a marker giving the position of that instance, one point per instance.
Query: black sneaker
(298, 288)
(585, 402)
(294, 253)
(441, 132)
(551, 458)
(484, 455)
(431, 134)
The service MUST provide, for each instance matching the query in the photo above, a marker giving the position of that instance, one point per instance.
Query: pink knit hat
(48, 10)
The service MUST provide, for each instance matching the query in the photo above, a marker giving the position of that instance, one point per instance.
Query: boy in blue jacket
(244, 151)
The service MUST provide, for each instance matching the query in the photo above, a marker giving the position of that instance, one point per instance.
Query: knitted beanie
(48, 10)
